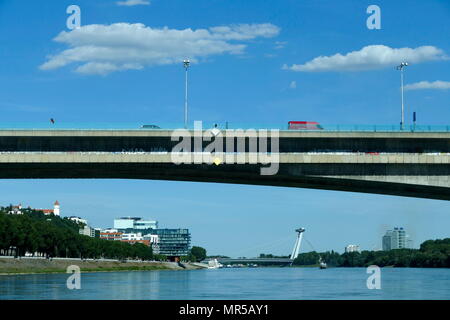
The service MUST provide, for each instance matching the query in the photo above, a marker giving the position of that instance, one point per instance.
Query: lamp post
(186, 64)
(400, 67)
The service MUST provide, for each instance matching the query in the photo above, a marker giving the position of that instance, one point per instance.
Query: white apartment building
(78, 220)
(152, 237)
(396, 239)
(87, 231)
(132, 236)
(352, 248)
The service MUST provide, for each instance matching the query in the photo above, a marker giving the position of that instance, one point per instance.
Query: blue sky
(239, 49)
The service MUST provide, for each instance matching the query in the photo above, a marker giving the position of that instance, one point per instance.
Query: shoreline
(24, 266)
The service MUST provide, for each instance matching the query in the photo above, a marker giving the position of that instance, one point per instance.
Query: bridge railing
(219, 125)
(343, 127)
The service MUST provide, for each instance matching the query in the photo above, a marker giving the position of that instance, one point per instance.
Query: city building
(172, 242)
(111, 234)
(145, 224)
(16, 209)
(114, 234)
(153, 238)
(87, 231)
(55, 210)
(132, 238)
(409, 242)
(396, 239)
(97, 232)
(154, 241)
(130, 224)
(78, 220)
(352, 248)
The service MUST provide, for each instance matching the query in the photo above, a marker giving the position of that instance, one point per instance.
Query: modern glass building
(134, 223)
(172, 242)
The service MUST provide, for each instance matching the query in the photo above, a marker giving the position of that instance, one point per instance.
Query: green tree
(198, 253)
(58, 237)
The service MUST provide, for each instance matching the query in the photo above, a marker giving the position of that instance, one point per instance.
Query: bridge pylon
(298, 243)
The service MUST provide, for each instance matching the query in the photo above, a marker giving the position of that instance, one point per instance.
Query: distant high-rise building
(409, 242)
(396, 239)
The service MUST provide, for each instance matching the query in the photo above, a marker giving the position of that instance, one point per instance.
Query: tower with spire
(56, 208)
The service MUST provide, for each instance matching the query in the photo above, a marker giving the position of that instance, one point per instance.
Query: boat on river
(322, 264)
(214, 264)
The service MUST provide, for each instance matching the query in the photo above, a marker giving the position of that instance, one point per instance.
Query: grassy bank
(29, 266)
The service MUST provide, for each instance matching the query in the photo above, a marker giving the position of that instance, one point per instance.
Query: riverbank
(9, 266)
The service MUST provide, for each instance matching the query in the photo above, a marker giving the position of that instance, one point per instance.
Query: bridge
(265, 260)
(413, 164)
(258, 261)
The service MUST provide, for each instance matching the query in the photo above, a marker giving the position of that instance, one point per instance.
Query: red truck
(304, 125)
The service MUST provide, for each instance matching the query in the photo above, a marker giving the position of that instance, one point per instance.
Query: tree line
(52, 236)
(431, 254)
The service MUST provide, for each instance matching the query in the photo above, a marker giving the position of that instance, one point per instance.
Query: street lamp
(400, 67)
(186, 64)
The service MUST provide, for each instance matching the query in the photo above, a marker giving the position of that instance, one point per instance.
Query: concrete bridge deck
(289, 141)
(415, 164)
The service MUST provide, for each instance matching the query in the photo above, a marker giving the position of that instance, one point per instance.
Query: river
(244, 283)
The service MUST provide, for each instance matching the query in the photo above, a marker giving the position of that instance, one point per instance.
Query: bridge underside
(420, 181)
(408, 164)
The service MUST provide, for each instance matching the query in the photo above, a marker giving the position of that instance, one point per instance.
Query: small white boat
(322, 265)
(214, 264)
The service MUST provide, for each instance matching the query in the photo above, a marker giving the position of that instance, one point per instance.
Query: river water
(244, 283)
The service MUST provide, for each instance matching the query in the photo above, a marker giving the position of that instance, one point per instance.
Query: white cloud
(280, 44)
(245, 31)
(130, 3)
(438, 85)
(293, 85)
(101, 49)
(370, 58)
(104, 68)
